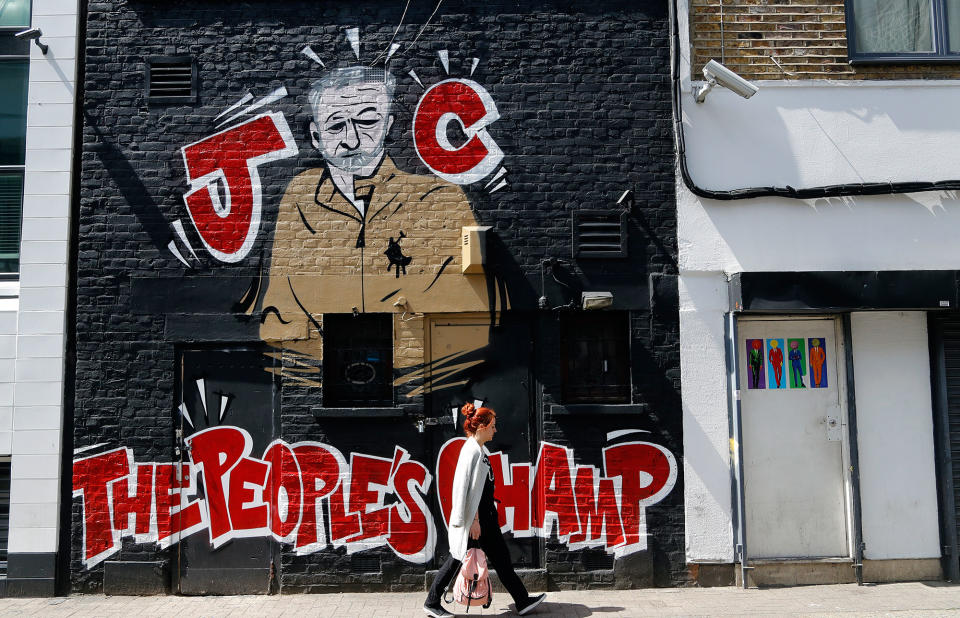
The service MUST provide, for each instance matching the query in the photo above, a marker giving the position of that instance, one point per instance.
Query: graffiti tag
(307, 494)
(465, 102)
(228, 161)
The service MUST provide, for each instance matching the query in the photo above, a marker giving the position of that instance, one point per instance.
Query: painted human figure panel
(756, 376)
(798, 362)
(775, 363)
(818, 362)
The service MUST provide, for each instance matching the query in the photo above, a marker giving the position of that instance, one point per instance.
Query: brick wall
(808, 38)
(582, 89)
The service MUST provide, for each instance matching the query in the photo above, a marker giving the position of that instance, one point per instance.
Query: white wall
(898, 492)
(803, 133)
(38, 391)
(703, 389)
(815, 135)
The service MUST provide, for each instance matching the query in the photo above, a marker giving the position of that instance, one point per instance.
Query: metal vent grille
(365, 563)
(11, 192)
(596, 561)
(4, 512)
(172, 79)
(599, 234)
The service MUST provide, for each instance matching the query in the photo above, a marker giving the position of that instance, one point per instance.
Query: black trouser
(498, 556)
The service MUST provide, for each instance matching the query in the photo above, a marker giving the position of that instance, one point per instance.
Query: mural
(775, 363)
(798, 362)
(818, 362)
(308, 228)
(357, 234)
(287, 493)
(755, 371)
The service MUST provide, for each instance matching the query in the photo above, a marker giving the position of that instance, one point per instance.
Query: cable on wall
(841, 190)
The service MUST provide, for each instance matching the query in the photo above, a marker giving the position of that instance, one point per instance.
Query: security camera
(715, 73)
(33, 34)
(29, 35)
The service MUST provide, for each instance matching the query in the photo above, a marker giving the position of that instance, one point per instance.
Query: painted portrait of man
(358, 234)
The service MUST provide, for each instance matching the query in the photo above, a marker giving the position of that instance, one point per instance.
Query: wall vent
(596, 561)
(599, 233)
(365, 563)
(171, 79)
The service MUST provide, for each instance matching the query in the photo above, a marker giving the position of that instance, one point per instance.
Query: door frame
(534, 420)
(181, 453)
(849, 454)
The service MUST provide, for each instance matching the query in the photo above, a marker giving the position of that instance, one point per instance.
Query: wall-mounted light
(715, 73)
(596, 300)
(33, 34)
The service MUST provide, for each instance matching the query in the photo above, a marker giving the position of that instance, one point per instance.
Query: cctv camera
(715, 73)
(29, 35)
(33, 34)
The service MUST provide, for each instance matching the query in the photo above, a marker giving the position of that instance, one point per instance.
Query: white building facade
(38, 100)
(817, 334)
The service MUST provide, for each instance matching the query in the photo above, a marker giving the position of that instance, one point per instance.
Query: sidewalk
(912, 599)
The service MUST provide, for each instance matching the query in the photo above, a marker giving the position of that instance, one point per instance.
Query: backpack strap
(453, 582)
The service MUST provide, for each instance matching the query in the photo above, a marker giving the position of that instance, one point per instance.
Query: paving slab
(909, 599)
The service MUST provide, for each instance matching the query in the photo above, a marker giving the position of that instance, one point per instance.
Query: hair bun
(468, 409)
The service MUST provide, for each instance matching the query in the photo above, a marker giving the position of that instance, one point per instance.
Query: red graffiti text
(280, 495)
(584, 508)
(225, 199)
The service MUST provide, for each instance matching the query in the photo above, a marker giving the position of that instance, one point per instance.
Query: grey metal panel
(949, 331)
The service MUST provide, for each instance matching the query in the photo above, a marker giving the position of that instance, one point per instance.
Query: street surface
(911, 599)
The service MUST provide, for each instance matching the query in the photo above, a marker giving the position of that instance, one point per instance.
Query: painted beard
(357, 162)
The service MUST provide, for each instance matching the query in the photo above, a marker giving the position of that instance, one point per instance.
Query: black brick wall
(584, 97)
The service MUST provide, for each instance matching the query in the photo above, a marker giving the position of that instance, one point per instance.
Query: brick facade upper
(787, 39)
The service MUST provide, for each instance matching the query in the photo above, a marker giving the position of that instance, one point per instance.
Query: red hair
(476, 418)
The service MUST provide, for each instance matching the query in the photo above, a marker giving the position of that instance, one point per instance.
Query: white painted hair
(339, 78)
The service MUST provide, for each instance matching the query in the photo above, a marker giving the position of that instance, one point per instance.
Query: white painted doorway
(793, 419)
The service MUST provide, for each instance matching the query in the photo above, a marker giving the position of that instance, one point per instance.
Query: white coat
(468, 482)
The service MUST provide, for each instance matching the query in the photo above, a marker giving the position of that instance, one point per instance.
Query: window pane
(953, 24)
(898, 26)
(14, 12)
(13, 111)
(11, 193)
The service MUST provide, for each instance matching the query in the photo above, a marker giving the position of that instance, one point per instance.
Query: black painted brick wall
(584, 96)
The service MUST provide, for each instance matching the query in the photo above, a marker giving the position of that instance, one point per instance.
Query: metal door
(502, 381)
(226, 387)
(794, 438)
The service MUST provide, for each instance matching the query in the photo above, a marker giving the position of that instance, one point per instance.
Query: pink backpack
(472, 585)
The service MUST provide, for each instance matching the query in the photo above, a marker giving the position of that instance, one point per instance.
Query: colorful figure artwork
(818, 363)
(775, 363)
(755, 373)
(798, 362)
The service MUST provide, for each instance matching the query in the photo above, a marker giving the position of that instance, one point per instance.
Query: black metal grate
(357, 360)
(11, 193)
(951, 353)
(365, 563)
(595, 357)
(596, 560)
(599, 233)
(4, 513)
(171, 79)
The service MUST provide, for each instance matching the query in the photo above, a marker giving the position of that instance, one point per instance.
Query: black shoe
(436, 611)
(530, 605)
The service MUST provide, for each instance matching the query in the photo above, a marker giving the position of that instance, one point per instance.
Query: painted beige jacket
(328, 256)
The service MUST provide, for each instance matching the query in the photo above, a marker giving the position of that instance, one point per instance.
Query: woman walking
(473, 517)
